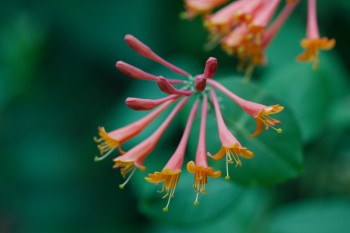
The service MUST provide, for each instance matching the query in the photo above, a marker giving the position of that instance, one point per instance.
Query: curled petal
(219, 155)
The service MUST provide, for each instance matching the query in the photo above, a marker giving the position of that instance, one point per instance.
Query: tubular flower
(135, 157)
(313, 43)
(259, 112)
(196, 7)
(193, 87)
(171, 172)
(243, 29)
(200, 168)
(108, 142)
(230, 148)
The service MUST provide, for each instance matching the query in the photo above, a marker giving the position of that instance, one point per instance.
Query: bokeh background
(58, 83)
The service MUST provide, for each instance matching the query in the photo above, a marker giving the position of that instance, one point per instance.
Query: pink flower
(200, 168)
(193, 87)
(108, 142)
(243, 29)
(258, 111)
(171, 172)
(135, 157)
(230, 148)
(196, 7)
(313, 43)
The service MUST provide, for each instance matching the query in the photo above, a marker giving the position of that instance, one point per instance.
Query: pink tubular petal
(140, 151)
(166, 87)
(312, 27)
(250, 107)
(226, 137)
(145, 51)
(264, 15)
(211, 66)
(127, 132)
(277, 24)
(176, 160)
(137, 73)
(147, 104)
(201, 154)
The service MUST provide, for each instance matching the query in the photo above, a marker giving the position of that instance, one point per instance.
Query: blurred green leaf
(322, 216)
(278, 157)
(340, 114)
(310, 94)
(244, 215)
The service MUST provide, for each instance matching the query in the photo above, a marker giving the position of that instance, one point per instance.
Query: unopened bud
(201, 83)
(146, 104)
(166, 87)
(211, 66)
(134, 72)
(145, 51)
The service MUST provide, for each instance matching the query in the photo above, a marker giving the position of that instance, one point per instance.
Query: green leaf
(278, 157)
(312, 216)
(246, 207)
(309, 93)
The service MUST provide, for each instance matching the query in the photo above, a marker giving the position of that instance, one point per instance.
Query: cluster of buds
(194, 87)
(244, 28)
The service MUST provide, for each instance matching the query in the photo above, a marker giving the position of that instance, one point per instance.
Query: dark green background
(58, 83)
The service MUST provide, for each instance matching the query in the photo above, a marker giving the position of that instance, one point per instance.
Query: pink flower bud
(211, 66)
(166, 87)
(201, 83)
(137, 73)
(146, 104)
(145, 51)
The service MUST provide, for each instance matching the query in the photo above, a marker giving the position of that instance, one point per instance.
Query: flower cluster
(244, 28)
(194, 87)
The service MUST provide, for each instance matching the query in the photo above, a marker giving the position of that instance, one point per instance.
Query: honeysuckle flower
(108, 142)
(135, 157)
(200, 168)
(171, 172)
(259, 112)
(193, 87)
(313, 43)
(231, 148)
(222, 21)
(196, 7)
(244, 29)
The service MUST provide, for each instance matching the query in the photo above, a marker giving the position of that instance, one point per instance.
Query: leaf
(309, 93)
(243, 215)
(312, 216)
(278, 157)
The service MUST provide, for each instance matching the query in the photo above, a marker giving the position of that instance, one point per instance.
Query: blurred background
(58, 83)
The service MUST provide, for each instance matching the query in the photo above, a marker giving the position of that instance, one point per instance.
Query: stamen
(97, 158)
(227, 177)
(121, 186)
(196, 203)
(166, 208)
